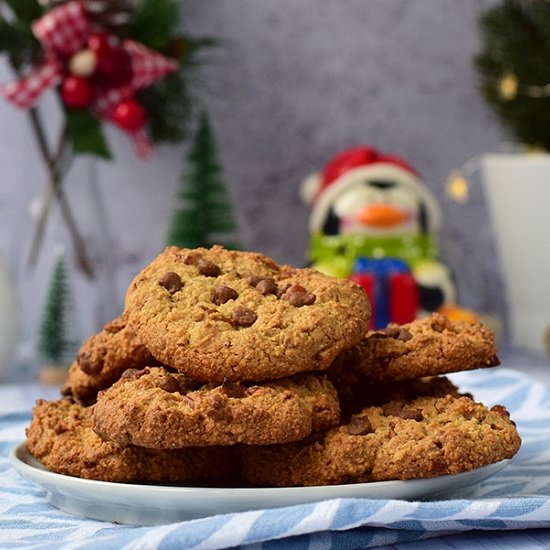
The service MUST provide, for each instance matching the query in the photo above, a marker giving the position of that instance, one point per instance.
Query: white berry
(83, 63)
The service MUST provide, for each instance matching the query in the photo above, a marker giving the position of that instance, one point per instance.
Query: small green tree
(54, 344)
(514, 69)
(205, 216)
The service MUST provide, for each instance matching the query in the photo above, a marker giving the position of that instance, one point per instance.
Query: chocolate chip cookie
(216, 314)
(355, 390)
(60, 436)
(422, 438)
(426, 347)
(158, 409)
(103, 358)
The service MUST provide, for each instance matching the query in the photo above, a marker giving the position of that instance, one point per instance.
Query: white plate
(158, 504)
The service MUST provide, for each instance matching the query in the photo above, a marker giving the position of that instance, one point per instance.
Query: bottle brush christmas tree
(55, 347)
(205, 216)
(514, 69)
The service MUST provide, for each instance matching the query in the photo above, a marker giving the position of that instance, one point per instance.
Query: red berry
(129, 115)
(114, 65)
(77, 92)
(101, 43)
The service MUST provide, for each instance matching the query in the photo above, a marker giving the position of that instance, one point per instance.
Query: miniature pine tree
(54, 345)
(205, 216)
(513, 67)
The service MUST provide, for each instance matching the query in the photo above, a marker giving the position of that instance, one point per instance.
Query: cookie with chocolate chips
(60, 436)
(426, 347)
(421, 438)
(103, 358)
(216, 314)
(160, 410)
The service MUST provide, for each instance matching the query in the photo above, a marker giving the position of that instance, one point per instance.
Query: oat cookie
(103, 358)
(60, 436)
(158, 409)
(216, 314)
(356, 391)
(425, 347)
(422, 438)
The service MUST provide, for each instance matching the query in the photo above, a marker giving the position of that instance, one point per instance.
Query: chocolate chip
(90, 364)
(399, 333)
(169, 384)
(394, 408)
(412, 414)
(296, 289)
(267, 286)
(59, 429)
(391, 332)
(171, 282)
(207, 268)
(404, 335)
(282, 289)
(133, 374)
(500, 410)
(243, 317)
(217, 409)
(360, 425)
(253, 280)
(392, 433)
(233, 389)
(299, 299)
(223, 294)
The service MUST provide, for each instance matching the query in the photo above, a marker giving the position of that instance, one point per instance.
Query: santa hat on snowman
(365, 191)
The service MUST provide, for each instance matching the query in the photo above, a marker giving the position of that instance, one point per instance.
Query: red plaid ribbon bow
(62, 32)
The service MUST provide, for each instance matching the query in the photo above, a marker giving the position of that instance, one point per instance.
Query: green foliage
(25, 10)
(205, 216)
(18, 41)
(169, 108)
(515, 37)
(154, 22)
(86, 134)
(54, 345)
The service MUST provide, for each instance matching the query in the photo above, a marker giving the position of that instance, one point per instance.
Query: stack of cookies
(228, 368)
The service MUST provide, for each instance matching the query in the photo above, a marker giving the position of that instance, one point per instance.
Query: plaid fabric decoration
(65, 30)
(25, 92)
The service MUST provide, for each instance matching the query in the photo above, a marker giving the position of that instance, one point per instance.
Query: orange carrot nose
(381, 215)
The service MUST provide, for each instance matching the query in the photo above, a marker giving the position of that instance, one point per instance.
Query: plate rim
(22, 465)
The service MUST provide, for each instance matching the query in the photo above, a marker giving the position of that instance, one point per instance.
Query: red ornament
(114, 65)
(77, 92)
(101, 43)
(129, 115)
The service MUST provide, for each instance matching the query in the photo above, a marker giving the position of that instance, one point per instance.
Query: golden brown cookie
(356, 391)
(60, 436)
(426, 347)
(217, 314)
(103, 358)
(157, 409)
(422, 438)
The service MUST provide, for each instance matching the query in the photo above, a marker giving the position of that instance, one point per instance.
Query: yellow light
(457, 187)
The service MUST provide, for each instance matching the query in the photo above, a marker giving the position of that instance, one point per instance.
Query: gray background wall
(295, 82)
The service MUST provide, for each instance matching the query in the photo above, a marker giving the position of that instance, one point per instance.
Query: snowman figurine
(374, 206)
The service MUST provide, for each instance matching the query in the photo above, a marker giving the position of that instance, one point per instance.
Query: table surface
(21, 397)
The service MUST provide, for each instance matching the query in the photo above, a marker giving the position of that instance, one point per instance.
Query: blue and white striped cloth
(514, 500)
